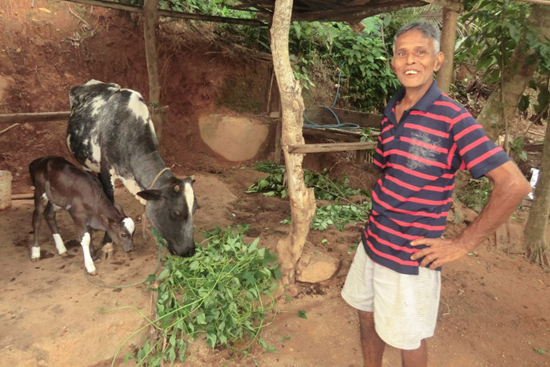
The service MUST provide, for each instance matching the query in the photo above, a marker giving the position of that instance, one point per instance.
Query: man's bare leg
(371, 344)
(417, 357)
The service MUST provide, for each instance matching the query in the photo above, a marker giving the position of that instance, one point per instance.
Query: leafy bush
(222, 292)
(367, 80)
(476, 193)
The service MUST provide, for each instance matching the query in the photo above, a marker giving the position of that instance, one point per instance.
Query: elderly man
(394, 281)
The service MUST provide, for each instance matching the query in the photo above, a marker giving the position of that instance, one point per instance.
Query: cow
(61, 185)
(110, 132)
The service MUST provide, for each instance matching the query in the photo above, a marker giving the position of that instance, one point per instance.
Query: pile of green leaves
(223, 292)
(324, 187)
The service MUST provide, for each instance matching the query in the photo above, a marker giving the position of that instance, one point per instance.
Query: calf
(110, 132)
(60, 185)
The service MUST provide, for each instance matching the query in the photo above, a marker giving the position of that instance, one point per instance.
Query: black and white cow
(60, 185)
(111, 133)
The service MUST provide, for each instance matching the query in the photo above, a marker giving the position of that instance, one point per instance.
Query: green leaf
(150, 278)
(302, 314)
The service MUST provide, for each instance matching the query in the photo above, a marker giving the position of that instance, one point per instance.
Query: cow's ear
(150, 195)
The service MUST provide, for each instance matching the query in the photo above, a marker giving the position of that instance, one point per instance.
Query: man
(394, 280)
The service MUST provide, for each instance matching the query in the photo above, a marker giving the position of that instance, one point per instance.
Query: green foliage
(362, 58)
(516, 147)
(497, 29)
(476, 193)
(340, 215)
(324, 187)
(223, 292)
(496, 32)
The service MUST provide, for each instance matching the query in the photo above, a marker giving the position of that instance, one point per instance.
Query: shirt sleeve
(476, 151)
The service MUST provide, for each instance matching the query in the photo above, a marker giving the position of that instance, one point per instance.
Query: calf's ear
(119, 209)
(150, 195)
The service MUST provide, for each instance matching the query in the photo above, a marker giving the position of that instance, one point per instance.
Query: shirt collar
(427, 100)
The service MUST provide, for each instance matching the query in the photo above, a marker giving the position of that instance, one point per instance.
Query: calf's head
(170, 209)
(121, 229)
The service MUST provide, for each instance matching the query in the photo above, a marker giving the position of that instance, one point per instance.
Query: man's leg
(371, 344)
(417, 357)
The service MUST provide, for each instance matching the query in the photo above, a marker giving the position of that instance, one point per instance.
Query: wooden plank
(34, 117)
(335, 147)
(22, 197)
(172, 14)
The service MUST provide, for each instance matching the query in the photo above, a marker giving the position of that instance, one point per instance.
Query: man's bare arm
(509, 188)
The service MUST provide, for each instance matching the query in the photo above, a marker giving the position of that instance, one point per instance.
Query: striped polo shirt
(419, 158)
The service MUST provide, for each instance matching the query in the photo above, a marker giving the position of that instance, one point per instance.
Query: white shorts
(405, 306)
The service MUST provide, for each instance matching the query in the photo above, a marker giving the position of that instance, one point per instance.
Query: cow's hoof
(92, 273)
(35, 259)
(63, 254)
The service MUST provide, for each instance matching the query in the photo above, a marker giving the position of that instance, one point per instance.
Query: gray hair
(428, 29)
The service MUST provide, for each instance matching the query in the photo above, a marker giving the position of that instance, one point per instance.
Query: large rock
(315, 265)
(236, 138)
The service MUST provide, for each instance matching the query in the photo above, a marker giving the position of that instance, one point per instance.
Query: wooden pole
(448, 36)
(170, 13)
(34, 117)
(302, 199)
(149, 28)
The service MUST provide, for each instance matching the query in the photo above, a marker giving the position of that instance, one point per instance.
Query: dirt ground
(494, 307)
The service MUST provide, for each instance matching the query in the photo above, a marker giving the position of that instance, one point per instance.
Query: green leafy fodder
(340, 215)
(324, 187)
(223, 292)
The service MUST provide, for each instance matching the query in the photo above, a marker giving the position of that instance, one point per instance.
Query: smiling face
(415, 60)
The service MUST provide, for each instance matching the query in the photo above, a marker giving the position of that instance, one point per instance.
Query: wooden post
(151, 17)
(302, 199)
(448, 36)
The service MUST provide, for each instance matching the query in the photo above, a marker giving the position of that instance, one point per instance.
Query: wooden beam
(211, 18)
(538, 2)
(447, 4)
(354, 12)
(34, 117)
(110, 5)
(334, 147)
(171, 14)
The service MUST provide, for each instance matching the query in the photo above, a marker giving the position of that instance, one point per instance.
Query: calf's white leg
(88, 262)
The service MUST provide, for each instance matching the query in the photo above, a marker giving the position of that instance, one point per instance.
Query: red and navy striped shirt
(419, 158)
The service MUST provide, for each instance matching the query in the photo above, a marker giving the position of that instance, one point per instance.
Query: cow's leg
(49, 213)
(39, 203)
(106, 182)
(84, 234)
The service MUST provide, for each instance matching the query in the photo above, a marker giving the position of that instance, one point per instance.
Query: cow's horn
(177, 188)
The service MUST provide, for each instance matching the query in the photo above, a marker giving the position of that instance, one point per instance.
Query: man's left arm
(509, 188)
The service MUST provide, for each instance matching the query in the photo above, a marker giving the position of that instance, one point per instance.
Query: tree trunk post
(448, 38)
(534, 233)
(302, 199)
(151, 17)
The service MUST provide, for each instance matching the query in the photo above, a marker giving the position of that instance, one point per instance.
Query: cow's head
(170, 209)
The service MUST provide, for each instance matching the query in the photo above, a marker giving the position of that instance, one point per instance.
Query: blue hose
(338, 125)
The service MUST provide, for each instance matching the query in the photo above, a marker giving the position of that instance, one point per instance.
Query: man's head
(416, 55)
